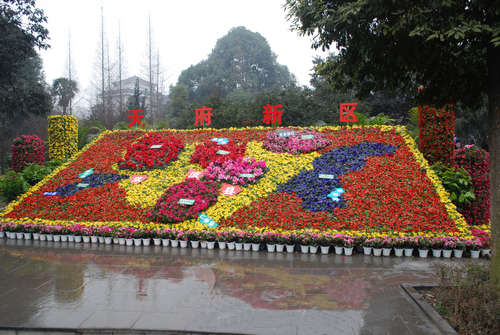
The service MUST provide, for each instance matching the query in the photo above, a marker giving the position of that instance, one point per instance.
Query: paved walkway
(53, 286)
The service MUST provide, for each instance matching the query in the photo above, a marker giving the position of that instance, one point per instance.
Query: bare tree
(121, 69)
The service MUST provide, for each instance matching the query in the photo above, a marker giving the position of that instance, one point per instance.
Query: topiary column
(25, 150)
(476, 162)
(436, 128)
(63, 136)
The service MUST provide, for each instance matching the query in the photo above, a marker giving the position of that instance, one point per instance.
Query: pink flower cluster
(230, 171)
(168, 209)
(295, 144)
(25, 150)
(476, 162)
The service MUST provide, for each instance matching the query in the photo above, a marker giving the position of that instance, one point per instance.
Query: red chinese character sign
(203, 116)
(350, 116)
(229, 190)
(136, 117)
(272, 114)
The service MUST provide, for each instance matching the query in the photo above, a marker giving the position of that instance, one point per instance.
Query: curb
(441, 323)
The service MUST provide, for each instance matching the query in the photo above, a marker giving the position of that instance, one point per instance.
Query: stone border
(441, 323)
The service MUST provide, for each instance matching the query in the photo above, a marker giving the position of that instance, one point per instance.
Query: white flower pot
(280, 247)
(27, 236)
(71, 238)
(195, 244)
(339, 250)
(86, 239)
(108, 240)
(238, 246)
(165, 242)
(290, 248)
(2, 234)
(147, 241)
(64, 238)
(174, 243)
(304, 249)
(50, 237)
(115, 240)
(313, 249)
(436, 253)
(475, 253)
(485, 251)
(183, 243)
(423, 253)
(377, 252)
(137, 241)
(101, 239)
(203, 244)
(247, 246)
(255, 246)
(325, 249)
(19, 236)
(94, 239)
(129, 241)
(408, 252)
(78, 239)
(222, 245)
(57, 238)
(367, 250)
(386, 251)
(447, 253)
(36, 236)
(121, 240)
(230, 245)
(157, 241)
(43, 237)
(210, 245)
(398, 252)
(458, 253)
(271, 247)
(348, 251)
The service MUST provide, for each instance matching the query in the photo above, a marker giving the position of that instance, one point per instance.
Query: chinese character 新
(350, 116)
(203, 116)
(136, 117)
(271, 113)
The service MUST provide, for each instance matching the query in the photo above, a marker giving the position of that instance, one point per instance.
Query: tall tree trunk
(493, 59)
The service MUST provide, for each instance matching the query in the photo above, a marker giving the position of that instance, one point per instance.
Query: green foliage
(457, 182)
(412, 127)
(84, 133)
(240, 60)
(33, 173)
(12, 185)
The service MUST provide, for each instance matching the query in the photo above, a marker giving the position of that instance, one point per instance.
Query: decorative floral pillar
(63, 136)
(436, 133)
(25, 150)
(476, 162)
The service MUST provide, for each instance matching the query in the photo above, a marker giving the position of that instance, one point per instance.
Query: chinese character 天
(203, 116)
(136, 117)
(271, 114)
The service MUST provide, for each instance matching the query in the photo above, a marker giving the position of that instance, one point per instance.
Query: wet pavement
(50, 286)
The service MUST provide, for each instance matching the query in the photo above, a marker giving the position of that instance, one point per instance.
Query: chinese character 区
(203, 116)
(136, 117)
(271, 113)
(350, 116)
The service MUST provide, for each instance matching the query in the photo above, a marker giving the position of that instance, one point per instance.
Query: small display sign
(50, 193)
(326, 176)
(195, 174)
(335, 194)
(207, 221)
(82, 185)
(285, 133)
(307, 137)
(136, 179)
(247, 175)
(156, 146)
(186, 201)
(86, 173)
(229, 190)
(223, 152)
(221, 141)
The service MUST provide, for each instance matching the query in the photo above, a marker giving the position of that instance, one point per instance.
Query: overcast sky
(185, 32)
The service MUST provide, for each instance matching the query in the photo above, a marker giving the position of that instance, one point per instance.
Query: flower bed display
(63, 136)
(366, 182)
(26, 150)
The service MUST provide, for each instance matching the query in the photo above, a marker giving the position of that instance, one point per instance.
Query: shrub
(12, 185)
(466, 297)
(436, 128)
(25, 150)
(33, 173)
(63, 136)
(457, 182)
(476, 162)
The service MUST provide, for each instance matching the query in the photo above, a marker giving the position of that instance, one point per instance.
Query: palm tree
(65, 89)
